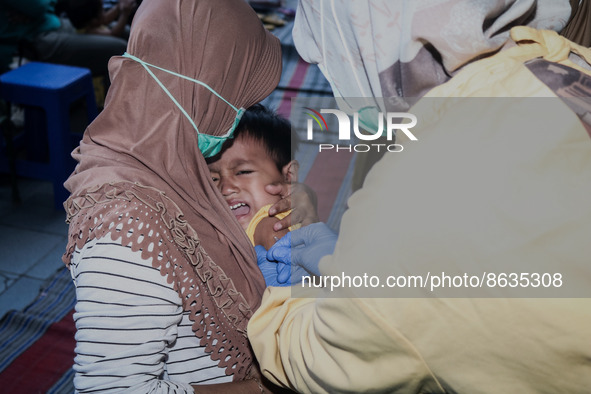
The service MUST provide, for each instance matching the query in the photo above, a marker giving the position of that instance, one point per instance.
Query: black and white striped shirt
(131, 332)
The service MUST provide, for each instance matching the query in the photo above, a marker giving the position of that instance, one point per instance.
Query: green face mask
(209, 145)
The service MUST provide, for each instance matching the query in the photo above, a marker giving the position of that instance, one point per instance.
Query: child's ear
(290, 171)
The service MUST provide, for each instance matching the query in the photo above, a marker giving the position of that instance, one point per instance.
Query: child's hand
(298, 197)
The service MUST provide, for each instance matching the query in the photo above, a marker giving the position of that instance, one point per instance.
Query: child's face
(241, 174)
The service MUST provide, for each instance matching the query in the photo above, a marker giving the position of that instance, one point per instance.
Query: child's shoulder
(260, 229)
(265, 235)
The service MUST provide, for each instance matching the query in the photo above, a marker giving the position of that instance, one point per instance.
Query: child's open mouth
(240, 209)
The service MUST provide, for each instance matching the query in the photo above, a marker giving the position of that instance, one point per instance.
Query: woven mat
(37, 343)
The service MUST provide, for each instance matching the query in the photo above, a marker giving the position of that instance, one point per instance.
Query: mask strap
(145, 65)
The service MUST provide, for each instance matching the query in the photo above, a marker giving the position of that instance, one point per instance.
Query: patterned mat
(37, 343)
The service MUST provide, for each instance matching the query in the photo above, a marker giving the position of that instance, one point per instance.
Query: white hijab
(403, 48)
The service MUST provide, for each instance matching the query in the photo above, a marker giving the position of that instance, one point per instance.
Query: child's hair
(81, 12)
(263, 125)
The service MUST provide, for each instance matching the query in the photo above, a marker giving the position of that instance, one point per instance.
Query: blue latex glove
(299, 252)
(268, 268)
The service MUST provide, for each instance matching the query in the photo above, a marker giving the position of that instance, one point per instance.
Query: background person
(34, 27)
(89, 17)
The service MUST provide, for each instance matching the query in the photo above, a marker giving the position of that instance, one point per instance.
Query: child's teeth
(237, 205)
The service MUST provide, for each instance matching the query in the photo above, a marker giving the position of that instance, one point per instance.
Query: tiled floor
(32, 241)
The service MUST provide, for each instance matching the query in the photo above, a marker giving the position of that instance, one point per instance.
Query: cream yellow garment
(260, 215)
(466, 345)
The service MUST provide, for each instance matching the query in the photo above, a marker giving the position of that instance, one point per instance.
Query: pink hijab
(141, 172)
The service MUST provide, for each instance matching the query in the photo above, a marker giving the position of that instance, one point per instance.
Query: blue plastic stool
(52, 88)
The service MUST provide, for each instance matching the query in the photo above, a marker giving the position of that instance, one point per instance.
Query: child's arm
(265, 235)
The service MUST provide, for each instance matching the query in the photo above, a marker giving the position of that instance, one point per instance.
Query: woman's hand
(298, 197)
